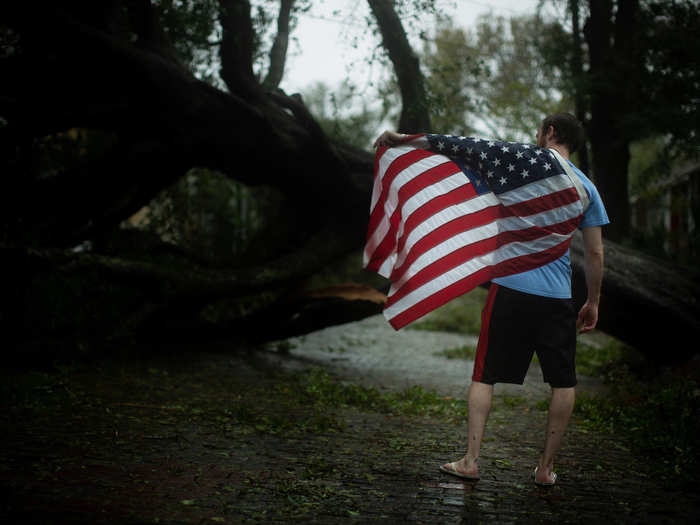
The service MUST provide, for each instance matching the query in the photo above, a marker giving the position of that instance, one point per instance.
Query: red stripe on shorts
(484, 333)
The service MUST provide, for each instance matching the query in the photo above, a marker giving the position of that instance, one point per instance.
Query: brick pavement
(177, 443)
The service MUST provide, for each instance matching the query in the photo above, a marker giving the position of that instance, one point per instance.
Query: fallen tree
(75, 68)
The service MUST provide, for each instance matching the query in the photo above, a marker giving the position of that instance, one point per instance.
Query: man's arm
(593, 269)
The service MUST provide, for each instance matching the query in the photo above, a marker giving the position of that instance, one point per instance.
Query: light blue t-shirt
(554, 279)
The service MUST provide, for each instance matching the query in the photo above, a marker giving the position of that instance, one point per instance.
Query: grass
(460, 352)
(318, 388)
(595, 360)
(461, 315)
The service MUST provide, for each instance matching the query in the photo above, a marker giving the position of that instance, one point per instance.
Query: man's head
(561, 128)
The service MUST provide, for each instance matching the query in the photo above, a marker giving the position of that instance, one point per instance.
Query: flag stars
(483, 155)
(503, 180)
(455, 148)
(547, 166)
(511, 167)
(497, 162)
(525, 174)
(533, 160)
(519, 155)
(441, 146)
(505, 149)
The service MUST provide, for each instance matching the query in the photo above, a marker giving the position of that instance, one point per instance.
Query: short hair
(568, 130)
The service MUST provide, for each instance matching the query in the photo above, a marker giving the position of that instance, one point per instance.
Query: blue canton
(502, 166)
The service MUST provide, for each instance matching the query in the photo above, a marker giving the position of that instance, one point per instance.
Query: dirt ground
(232, 434)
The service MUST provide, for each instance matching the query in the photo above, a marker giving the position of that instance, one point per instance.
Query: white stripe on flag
(444, 280)
(480, 233)
(427, 194)
(392, 154)
(406, 175)
(535, 189)
(444, 216)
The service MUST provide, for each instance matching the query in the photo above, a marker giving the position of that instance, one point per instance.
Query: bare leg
(560, 408)
(480, 397)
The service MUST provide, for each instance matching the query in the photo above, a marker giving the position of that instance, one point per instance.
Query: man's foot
(545, 477)
(462, 469)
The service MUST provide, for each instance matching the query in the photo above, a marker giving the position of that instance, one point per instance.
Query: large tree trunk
(614, 62)
(576, 68)
(647, 303)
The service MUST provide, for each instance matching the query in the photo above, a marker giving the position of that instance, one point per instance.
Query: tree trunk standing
(415, 117)
(236, 49)
(278, 53)
(576, 67)
(614, 59)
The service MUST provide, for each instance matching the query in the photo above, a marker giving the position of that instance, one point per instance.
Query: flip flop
(453, 471)
(545, 483)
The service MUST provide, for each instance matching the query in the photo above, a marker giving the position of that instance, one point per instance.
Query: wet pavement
(216, 435)
(370, 352)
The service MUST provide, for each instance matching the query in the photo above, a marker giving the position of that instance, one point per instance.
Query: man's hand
(593, 269)
(389, 139)
(587, 318)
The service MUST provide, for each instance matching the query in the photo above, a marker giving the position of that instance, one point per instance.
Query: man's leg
(480, 397)
(560, 408)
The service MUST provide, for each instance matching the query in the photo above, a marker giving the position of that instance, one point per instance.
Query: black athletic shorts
(514, 325)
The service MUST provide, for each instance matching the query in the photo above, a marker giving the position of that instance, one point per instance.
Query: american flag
(450, 213)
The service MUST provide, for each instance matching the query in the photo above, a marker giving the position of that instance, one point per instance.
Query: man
(533, 310)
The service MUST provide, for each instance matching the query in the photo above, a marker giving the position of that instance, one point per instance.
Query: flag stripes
(437, 231)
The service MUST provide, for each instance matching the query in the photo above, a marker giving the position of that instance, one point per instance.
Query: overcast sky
(325, 36)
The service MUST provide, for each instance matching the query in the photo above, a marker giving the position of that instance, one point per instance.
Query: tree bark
(415, 117)
(236, 49)
(278, 53)
(612, 77)
(647, 303)
(576, 67)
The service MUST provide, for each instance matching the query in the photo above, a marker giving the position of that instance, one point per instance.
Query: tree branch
(94, 197)
(278, 53)
(193, 281)
(144, 19)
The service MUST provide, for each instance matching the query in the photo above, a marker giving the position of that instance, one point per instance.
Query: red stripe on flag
(408, 190)
(397, 166)
(481, 217)
(547, 202)
(463, 286)
(456, 196)
(447, 231)
(466, 253)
